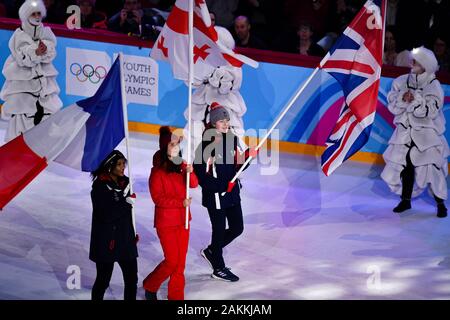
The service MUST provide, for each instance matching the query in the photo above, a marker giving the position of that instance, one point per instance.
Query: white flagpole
(191, 79)
(275, 124)
(125, 123)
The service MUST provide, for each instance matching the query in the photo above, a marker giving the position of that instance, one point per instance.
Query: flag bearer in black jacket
(216, 162)
(113, 237)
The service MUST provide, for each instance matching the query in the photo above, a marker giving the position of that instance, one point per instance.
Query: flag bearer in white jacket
(30, 91)
(416, 157)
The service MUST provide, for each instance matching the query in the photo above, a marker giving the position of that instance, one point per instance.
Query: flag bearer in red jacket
(168, 190)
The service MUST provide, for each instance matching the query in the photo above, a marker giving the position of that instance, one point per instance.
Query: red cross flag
(173, 42)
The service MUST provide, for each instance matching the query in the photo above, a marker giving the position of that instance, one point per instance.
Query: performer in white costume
(417, 153)
(30, 91)
(221, 85)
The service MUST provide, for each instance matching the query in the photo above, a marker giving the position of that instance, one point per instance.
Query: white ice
(306, 236)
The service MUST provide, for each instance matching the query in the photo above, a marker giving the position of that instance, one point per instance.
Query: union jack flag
(355, 62)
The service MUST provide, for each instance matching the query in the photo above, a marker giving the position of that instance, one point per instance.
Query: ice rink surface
(307, 236)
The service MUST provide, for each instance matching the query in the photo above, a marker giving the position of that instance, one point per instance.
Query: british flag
(355, 62)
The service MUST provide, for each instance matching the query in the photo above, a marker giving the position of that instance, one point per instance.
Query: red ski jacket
(168, 190)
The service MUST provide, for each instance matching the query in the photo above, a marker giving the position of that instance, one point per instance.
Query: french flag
(79, 136)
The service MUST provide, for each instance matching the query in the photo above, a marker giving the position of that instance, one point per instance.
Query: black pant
(408, 178)
(221, 236)
(104, 273)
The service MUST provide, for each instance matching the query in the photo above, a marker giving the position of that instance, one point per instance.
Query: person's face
(85, 8)
(222, 126)
(131, 5)
(119, 169)
(35, 18)
(389, 41)
(439, 47)
(242, 28)
(417, 67)
(213, 19)
(305, 33)
(173, 149)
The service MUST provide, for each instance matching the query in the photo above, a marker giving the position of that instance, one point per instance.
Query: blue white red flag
(79, 136)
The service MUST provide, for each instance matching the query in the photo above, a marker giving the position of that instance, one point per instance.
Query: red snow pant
(174, 242)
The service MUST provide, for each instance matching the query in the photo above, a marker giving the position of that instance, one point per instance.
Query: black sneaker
(225, 275)
(403, 206)
(207, 255)
(150, 295)
(441, 210)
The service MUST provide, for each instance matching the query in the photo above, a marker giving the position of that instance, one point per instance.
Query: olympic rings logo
(88, 72)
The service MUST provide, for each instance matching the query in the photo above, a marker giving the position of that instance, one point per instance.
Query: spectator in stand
(264, 15)
(255, 10)
(390, 47)
(314, 11)
(224, 10)
(243, 35)
(135, 21)
(90, 18)
(441, 51)
(306, 44)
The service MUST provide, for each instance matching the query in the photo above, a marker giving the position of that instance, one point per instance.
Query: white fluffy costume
(221, 85)
(30, 91)
(419, 133)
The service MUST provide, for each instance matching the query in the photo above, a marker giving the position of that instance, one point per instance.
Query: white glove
(131, 199)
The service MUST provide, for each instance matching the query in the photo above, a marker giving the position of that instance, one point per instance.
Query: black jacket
(112, 233)
(226, 167)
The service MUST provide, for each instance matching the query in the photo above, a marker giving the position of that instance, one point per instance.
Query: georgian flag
(172, 44)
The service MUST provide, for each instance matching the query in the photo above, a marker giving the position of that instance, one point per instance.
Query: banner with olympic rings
(85, 70)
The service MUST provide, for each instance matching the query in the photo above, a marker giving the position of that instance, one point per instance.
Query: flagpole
(191, 79)
(125, 124)
(277, 121)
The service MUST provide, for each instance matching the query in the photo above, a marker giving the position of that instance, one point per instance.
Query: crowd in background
(307, 27)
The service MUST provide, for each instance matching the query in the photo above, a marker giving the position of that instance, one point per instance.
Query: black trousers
(104, 273)
(408, 178)
(221, 236)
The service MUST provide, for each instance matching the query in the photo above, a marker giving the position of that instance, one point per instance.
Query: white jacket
(221, 85)
(28, 76)
(420, 123)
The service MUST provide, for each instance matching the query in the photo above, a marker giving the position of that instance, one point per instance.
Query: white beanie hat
(31, 6)
(225, 37)
(426, 58)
